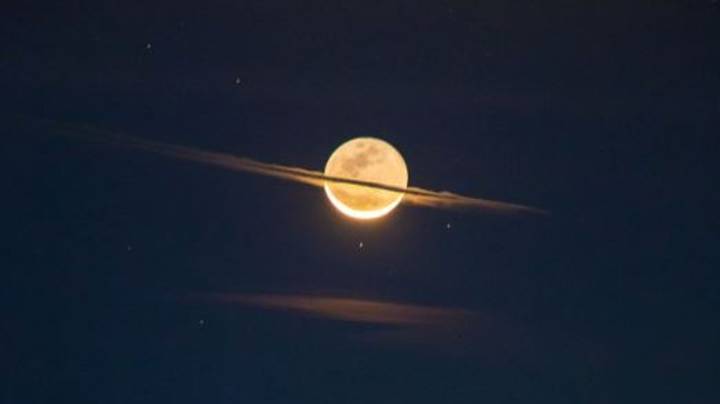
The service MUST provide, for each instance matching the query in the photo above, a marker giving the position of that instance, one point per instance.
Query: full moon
(365, 159)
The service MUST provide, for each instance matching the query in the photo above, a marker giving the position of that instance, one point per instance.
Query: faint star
(201, 322)
(129, 247)
(448, 226)
(360, 245)
(148, 46)
(237, 80)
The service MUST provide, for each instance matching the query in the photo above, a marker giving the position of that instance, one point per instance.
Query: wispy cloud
(345, 309)
(439, 329)
(413, 195)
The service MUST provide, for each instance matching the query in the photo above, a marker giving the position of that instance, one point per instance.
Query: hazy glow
(366, 159)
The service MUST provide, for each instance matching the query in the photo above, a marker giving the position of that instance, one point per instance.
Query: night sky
(123, 268)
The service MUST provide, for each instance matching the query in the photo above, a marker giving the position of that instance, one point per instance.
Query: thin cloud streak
(442, 330)
(413, 195)
(345, 309)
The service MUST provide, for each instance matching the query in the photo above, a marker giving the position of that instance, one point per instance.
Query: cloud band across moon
(413, 195)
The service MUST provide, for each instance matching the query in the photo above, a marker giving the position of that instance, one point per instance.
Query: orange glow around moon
(366, 159)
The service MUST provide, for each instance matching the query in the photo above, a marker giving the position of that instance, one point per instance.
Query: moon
(365, 159)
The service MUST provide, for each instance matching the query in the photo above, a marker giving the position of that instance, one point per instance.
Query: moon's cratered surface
(366, 159)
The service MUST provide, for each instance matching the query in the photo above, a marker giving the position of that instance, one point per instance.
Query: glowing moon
(365, 159)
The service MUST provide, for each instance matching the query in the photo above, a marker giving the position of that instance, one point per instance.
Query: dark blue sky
(605, 113)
